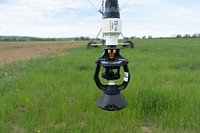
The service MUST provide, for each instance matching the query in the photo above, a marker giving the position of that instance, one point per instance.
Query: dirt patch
(146, 128)
(14, 51)
(17, 128)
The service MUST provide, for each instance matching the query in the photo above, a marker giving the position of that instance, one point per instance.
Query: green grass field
(58, 94)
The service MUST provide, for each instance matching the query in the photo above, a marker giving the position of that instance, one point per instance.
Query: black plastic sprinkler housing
(112, 61)
(111, 9)
(111, 99)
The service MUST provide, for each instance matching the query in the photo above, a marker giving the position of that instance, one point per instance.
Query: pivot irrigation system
(111, 60)
(110, 9)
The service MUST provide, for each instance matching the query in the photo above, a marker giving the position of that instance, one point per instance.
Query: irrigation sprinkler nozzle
(111, 98)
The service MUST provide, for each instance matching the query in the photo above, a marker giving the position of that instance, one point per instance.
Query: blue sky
(67, 18)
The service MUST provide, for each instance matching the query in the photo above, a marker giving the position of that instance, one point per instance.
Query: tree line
(24, 38)
(82, 38)
(196, 35)
(21, 38)
(13, 39)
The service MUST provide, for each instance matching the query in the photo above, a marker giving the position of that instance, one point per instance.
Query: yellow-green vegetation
(58, 95)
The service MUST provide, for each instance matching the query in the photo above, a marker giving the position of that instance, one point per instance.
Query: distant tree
(7, 39)
(82, 38)
(144, 37)
(53, 39)
(195, 35)
(150, 37)
(14, 39)
(126, 38)
(187, 36)
(179, 36)
(76, 39)
(198, 35)
(133, 37)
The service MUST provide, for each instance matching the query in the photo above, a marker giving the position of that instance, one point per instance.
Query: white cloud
(64, 18)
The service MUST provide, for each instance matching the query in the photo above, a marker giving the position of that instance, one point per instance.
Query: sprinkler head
(111, 98)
